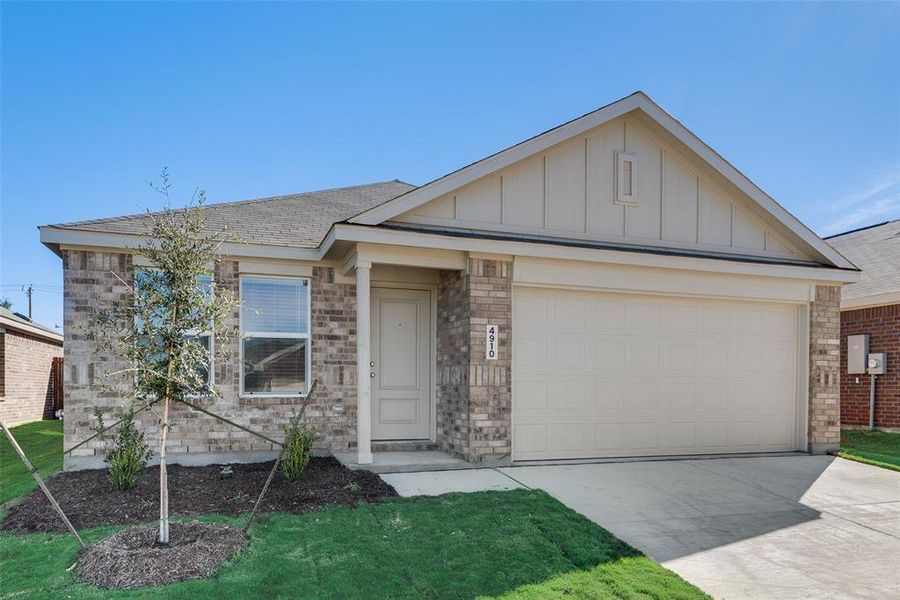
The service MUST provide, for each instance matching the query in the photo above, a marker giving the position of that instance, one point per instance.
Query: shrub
(129, 456)
(297, 448)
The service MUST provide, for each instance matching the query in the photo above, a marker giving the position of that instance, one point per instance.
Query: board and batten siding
(569, 191)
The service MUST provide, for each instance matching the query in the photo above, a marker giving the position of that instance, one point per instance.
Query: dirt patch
(88, 500)
(132, 558)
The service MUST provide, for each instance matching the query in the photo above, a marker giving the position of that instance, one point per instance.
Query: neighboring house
(27, 350)
(872, 306)
(644, 298)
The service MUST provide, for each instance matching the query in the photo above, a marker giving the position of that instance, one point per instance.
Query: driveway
(767, 527)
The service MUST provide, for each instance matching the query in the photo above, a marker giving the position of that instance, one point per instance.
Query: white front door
(401, 364)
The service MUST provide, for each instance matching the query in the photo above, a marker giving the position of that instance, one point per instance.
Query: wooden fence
(56, 383)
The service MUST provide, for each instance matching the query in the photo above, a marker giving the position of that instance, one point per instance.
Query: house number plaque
(492, 343)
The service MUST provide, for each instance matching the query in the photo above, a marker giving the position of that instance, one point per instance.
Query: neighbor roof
(296, 220)
(11, 320)
(875, 250)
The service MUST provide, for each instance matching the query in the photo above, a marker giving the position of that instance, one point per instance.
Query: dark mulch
(88, 499)
(132, 558)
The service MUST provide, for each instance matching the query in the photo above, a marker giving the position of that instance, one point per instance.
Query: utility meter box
(857, 354)
(878, 363)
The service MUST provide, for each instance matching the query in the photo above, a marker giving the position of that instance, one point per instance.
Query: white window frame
(250, 334)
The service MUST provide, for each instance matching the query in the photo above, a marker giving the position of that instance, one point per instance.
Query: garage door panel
(642, 356)
(644, 316)
(684, 357)
(531, 352)
(608, 395)
(605, 354)
(600, 375)
(605, 314)
(680, 395)
(643, 437)
(567, 352)
(609, 438)
(570, 395)
(680, 318)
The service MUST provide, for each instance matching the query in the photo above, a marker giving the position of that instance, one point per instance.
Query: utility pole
(30, 292)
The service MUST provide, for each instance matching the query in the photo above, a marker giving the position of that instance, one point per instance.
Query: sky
(248, 100)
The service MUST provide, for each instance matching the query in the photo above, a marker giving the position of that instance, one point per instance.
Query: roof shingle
(296, 220)
(876, 251)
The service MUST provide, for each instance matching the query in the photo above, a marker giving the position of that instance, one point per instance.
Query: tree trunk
(163, 476)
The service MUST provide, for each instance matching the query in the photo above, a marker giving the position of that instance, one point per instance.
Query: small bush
(129, 456)
(297, 448)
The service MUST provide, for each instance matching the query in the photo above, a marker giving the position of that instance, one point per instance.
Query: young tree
(6, 303)
(159, 328)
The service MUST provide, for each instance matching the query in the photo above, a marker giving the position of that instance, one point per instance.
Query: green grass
(42, 442)
(878, 448)
(517, 544)
(520, 543)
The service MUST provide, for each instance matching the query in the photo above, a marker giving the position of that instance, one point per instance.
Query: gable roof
(11, 320)
(875, 250)
(295, 220)
(636, 101)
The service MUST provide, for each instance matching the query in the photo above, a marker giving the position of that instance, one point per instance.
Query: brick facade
(474, 395)
(92, 275)
(26, 393)
(452, 370)
(882, 323)
(824, 365)
(490, 381)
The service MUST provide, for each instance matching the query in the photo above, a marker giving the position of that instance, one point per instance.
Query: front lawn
(42, 442)
(516, 544)
(878, 448)
(521, 543)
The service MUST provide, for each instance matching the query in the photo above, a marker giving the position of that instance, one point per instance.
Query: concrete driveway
(767, 527)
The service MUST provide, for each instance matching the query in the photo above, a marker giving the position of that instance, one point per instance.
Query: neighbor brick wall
(474, 394)
(824, 374)
(25, 366)
(882, 323)
(89, 275)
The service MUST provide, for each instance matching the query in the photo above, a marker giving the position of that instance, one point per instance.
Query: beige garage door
(606, 375)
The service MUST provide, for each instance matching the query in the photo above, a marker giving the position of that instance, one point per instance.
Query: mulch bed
(132, 558)
(88, 499)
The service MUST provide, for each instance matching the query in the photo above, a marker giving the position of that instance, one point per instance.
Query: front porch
(428, 395)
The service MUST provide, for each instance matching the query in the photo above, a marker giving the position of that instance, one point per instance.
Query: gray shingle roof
(876, 251)
(10, 319)
(296, 220)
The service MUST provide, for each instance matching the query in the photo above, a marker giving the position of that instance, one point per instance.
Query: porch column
(364, 381)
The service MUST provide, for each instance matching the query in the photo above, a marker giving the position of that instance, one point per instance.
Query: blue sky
(250, 100)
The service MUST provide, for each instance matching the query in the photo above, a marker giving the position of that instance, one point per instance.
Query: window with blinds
(274, 336)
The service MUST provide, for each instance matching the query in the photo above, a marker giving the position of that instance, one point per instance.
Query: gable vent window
(626, 178)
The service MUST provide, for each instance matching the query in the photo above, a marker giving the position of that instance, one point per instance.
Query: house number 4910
(492, 343)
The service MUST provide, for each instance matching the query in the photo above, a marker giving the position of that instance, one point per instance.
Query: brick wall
(88, 275)
(824, 374)
(474, 394)
(453, 363)
(25, 366)
(882, 323)
(490, 381)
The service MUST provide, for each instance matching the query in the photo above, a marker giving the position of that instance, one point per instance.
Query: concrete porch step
(403, 446)
(406, 462)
